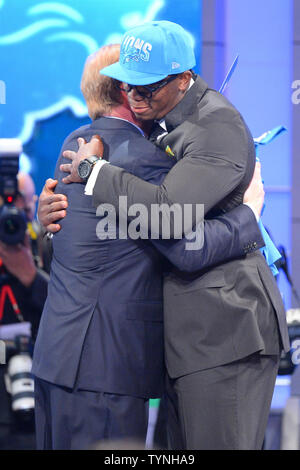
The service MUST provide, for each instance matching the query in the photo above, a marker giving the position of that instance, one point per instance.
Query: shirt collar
(132, 123)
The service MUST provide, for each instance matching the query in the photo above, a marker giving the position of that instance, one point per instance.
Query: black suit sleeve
(214, 163)
(227, 237)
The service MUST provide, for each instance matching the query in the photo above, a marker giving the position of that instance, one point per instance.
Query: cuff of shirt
(253, 210)
(89, 187)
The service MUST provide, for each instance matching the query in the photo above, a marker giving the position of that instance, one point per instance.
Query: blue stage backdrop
(43, 47)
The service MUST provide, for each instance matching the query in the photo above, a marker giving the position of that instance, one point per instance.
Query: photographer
(23, 291)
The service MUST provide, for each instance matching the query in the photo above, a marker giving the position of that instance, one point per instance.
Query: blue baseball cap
(152, 51)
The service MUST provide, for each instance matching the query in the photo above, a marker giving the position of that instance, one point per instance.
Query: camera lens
(11, 226)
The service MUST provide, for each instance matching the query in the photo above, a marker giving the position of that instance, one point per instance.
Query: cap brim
(130, 76)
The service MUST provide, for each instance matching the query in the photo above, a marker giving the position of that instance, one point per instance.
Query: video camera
(13, 221)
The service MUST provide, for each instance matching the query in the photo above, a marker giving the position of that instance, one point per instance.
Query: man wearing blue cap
(224, 326)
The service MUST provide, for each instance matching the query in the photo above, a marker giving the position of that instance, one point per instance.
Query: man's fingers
(66, 167)
(58, 206)
(47, 200)
(53, 228)
(52, 204)
(97, 145)
(81, 141)
(54, 216)
(69, 154)
(256, 178)
(257, 170)
(67, 179)
(50, 185)
(97, 136)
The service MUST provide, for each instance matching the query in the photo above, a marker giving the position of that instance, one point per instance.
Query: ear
(184, 81)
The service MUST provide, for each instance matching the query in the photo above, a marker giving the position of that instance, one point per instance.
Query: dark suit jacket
(102, 327)
(228, 312)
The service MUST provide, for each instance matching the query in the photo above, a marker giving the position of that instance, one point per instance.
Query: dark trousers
(77, 419)
(225, 408)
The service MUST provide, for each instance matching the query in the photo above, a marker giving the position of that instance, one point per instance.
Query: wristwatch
(85, 167)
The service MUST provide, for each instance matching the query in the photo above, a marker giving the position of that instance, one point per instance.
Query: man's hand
(51, 206)
(94, 147)
(255, 194)
(18, 261)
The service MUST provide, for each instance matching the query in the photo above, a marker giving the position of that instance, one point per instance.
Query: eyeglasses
(146, 91)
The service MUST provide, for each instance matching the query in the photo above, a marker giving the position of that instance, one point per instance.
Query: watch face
(84, 169)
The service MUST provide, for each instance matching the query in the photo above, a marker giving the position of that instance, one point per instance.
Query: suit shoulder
(219, 107)
(216, 115)
(79, 132)
(217, 128)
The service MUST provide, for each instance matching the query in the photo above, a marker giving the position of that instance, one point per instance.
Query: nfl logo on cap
(151, 52)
